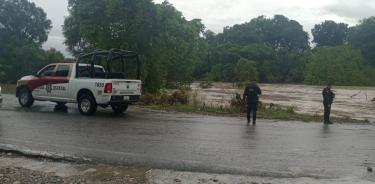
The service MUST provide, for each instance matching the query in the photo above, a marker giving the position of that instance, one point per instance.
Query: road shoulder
(20, 169)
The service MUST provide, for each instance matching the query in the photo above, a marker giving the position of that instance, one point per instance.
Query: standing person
(251, 95)
(328, 97)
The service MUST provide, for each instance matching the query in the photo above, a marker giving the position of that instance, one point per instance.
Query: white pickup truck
(90, 82)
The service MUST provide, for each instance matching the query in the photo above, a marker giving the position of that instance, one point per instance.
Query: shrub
(238, 103)
(178, 97)
(163, 98)
(149, 99)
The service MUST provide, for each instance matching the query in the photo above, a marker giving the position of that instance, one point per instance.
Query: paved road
(193, 142)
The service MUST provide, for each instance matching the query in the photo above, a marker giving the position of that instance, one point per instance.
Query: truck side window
(62, 71)
(47, 72)
(84, 71)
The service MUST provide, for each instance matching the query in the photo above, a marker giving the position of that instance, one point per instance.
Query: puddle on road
(350, 102)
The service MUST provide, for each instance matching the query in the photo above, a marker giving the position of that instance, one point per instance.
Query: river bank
(351, 103)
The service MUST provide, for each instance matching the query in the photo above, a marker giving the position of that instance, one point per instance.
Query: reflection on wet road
(194, 142)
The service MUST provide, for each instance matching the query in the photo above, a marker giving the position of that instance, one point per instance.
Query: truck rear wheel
(25, 98)
(87, 105)
(119, 108)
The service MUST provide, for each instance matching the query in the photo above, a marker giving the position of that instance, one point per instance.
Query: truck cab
(101, 78)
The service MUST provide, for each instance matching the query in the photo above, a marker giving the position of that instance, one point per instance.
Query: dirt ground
(17, 169)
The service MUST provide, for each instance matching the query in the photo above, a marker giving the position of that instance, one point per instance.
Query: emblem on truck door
(49, 88)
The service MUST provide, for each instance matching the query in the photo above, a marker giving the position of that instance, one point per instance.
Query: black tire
(87, 105)
(25, 98)
(119, 108)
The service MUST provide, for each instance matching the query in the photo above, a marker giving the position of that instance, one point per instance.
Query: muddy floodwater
(351, 102)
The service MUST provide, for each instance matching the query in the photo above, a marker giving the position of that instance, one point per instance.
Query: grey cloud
(57, 42)
(56, 11)
(353, 10)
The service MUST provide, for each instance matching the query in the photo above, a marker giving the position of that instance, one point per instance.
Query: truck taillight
(108, 88)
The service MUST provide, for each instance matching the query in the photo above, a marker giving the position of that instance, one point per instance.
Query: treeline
(23, 29)
(176, 51)
(277, 50)
(171, 46)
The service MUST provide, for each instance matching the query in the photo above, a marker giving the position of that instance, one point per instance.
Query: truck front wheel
(87, 105)
(119, 108)
(25, 98)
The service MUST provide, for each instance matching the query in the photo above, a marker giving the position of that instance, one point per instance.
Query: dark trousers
(252, 108)
(327, 112)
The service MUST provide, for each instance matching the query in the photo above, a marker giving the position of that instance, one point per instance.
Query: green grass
(8, 88)
(264, 113)
(287, 114)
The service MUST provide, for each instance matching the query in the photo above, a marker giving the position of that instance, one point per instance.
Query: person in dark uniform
(328, 97)
(251, 96)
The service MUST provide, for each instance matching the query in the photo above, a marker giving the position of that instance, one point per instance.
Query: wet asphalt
(191, 142)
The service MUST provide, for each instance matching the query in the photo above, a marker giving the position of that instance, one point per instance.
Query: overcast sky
(217, 14)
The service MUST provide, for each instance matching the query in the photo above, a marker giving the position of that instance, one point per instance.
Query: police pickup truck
(101, 78)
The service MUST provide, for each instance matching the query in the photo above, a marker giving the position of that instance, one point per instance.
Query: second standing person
(328, 97)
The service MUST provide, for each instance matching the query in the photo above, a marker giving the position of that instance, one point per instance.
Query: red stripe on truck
(35, 83)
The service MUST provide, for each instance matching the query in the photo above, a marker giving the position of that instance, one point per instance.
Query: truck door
(41, 84)
(60, 82)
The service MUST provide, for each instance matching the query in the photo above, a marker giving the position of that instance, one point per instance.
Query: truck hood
(29, 77)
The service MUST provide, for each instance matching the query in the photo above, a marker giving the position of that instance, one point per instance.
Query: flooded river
(350, 102)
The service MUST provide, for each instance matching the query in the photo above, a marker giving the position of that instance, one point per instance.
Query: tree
(203, 67)
(246, 70)
(24, 20)
(94, 24)
(216, 73)
(282, 33)
(23, 57)
(277, 44)
(330, 33)
(2, 73)
(261, 54)
(53, 56)
(278, 32)
(362, 37)
(179, 43)
(170, 46)
(340, 65)
(23, 29)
